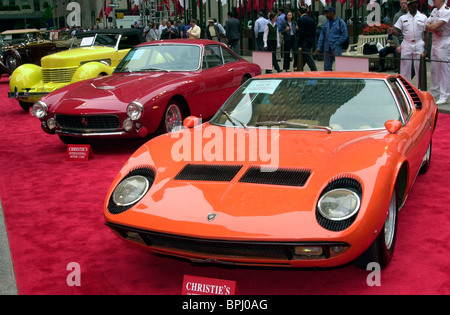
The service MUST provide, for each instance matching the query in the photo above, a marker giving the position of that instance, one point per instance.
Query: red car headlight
(40, 109)
(135, 110)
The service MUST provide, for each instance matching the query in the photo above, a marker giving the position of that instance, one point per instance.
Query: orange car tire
(382, 249)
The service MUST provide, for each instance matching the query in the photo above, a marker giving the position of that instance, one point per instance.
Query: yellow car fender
(25, 76)
(91, 70)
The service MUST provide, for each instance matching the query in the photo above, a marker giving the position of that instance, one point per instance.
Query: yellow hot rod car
(92, 54)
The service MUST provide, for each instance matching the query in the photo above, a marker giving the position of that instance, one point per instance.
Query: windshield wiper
(291, 123)
(154, 69)
(232, 119)
(123, 70)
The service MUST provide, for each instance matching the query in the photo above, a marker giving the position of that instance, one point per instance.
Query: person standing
(333, 35)
(306, 33)
(233, 31)
(181, 29)
(415, 39)
(162, 26)
(222, 31)
(320, 22)
(260, 26)
(170, 32)
(194, 31)
(398, 39)
(438, 23)
(289, 32)
(280, 20)
(272, 39)
(212, 31)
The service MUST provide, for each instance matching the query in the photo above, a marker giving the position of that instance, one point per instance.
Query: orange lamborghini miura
(295, 169)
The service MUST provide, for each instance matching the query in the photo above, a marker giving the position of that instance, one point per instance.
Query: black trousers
(308, 58)
(384, 52)
(260, 41)
(289, 45)
(272, 46)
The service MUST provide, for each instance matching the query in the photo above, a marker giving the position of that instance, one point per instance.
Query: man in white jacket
(438, 23)
(415, 39)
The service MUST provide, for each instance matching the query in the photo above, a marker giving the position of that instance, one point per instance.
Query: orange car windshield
(312, 103)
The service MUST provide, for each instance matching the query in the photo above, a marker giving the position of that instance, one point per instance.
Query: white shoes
(441, 102)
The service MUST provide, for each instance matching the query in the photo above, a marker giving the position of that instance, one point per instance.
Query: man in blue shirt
(260, 26)
(333, 35)
(280, 21)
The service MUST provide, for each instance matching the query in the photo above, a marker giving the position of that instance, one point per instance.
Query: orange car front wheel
(382, 249)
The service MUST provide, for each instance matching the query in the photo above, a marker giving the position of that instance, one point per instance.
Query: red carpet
(53, 214)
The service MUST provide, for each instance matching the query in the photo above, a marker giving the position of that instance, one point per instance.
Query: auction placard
(193, 285)
(79, 152)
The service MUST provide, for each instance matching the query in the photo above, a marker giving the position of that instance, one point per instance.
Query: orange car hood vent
(208, 172)
(280, 176)
(412, 92)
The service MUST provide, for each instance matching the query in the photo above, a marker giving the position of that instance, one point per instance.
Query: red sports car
(152, 89)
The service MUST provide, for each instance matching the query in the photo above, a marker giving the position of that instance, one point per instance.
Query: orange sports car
(295, 169)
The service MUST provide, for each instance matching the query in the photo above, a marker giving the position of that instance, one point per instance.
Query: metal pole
(423, 74)
(114, 14)
(300, 60)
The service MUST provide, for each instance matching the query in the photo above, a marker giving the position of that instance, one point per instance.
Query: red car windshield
(161, 58)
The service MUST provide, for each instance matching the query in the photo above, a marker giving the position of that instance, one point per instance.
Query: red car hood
(113, 93)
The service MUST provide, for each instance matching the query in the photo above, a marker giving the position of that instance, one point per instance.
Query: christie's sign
(78, 152)
(207, 286)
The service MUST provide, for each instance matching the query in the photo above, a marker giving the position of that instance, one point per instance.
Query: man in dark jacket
(233, 32)
(170, 32)
(306, 33)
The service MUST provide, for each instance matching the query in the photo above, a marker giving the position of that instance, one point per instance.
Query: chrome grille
(88, 123)
(62, 75)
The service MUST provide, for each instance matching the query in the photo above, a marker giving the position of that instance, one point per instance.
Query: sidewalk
(445, 108)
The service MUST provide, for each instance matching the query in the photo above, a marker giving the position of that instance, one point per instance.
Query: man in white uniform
(438, 23)
(412, 26)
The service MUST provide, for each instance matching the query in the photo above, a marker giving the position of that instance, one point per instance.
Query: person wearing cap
(212, 31)
(438, 23)
(415, 40)
(333, 35)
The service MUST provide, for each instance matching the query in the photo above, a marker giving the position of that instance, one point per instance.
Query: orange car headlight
(339, 204)
(130, 190)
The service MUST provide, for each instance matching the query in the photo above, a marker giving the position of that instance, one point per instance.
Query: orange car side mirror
(393, 125)
(191, 121)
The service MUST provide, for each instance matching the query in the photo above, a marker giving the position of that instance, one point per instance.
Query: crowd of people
(282, 31)
(282, 34)
(408, 39)
(229, 34)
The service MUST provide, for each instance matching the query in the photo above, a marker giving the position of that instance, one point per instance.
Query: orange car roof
(329, 74)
